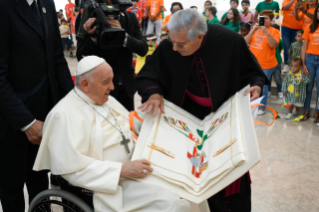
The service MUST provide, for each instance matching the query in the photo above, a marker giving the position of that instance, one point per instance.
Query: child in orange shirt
(137, 11)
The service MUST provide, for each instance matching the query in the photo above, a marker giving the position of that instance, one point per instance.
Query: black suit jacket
(120, 59)
(34, 74)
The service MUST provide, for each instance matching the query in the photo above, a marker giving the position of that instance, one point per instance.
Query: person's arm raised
(87, 45)
(250, 34)
(303, 10)
(296, 12)
(273, 43)
(287, 5)
(136, 42)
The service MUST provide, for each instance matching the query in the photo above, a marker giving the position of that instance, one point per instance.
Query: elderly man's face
(183, 45)
(101, 85)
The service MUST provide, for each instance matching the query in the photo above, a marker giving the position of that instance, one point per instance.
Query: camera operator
(120, 59)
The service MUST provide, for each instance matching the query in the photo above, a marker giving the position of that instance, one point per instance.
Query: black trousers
(240, 202)
(16, 163)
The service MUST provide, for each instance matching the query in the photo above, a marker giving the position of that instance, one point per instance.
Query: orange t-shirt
(313, 41)
(289, 19)
(166, 19)
(155, 7)
(259, 46)
(69, 8)
(137, 11)
(306, 21)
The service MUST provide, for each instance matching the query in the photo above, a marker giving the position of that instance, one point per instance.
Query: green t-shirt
(214, 21)
(230, 26)
(279, 48)
(273, 6)
(224, 16)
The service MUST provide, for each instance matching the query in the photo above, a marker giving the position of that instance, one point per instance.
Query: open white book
(197, 158)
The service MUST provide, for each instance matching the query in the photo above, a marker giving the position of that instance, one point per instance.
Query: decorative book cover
(197, 158)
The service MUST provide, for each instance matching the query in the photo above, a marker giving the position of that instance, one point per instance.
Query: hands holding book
(156, 100)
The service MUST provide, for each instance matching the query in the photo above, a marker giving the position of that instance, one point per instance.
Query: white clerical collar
(84, 96)
(31, 1)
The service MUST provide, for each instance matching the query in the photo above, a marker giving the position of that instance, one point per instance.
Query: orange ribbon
(133, 115)
(271, 109)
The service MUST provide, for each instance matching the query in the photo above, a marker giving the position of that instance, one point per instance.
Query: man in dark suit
(34, 76)
(120, 59)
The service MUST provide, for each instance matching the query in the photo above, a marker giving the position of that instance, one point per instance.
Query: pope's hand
(254, 92)
(155, 101)
(136, 169)
(34, 133)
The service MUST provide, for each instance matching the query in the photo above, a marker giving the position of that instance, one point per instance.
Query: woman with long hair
(310, 57)
(232, 20)
(305, 14)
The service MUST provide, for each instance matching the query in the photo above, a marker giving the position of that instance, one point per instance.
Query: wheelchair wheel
(55, 200)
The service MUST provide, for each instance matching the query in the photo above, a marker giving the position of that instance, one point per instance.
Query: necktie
(35, 10)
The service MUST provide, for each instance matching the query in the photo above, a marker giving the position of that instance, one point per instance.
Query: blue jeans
(268, 73)
(277, 75)
(67, 42)
(312, 63)
(288, 37)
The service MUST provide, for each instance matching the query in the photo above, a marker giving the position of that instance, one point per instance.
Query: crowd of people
(183, 57)
(267, 42)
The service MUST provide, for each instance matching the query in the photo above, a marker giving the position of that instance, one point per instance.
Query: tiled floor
(287, 177)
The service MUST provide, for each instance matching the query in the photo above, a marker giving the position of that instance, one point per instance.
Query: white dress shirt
(31, 1)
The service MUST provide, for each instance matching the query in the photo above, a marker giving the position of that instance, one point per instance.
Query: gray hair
(190, 20)
(87, 75)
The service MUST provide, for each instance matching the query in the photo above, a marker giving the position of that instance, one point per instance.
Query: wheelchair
(68, 199)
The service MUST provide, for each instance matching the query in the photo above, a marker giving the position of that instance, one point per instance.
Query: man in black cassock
(199, 68)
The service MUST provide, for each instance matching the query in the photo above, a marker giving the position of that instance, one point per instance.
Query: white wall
(222, 5)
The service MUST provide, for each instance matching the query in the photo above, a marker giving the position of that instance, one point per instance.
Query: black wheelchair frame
(69, 198)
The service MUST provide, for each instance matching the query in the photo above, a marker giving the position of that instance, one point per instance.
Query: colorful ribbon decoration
(275, 115)
(133, 115)
(245, 12)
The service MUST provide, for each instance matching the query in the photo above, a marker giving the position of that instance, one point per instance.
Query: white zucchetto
(88, 64)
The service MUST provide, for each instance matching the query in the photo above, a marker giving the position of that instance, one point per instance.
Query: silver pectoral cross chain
(125, 140)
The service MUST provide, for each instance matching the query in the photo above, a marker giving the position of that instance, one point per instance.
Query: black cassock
(222, 66)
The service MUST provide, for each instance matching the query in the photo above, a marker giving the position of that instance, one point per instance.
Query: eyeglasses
(182, 46)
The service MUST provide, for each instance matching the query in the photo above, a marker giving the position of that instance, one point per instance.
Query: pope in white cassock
(87, 140)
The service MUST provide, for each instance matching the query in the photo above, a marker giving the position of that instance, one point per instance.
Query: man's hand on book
(254, 92)
(154, 102)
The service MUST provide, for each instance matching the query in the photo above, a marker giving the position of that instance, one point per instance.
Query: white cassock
(84, 148)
